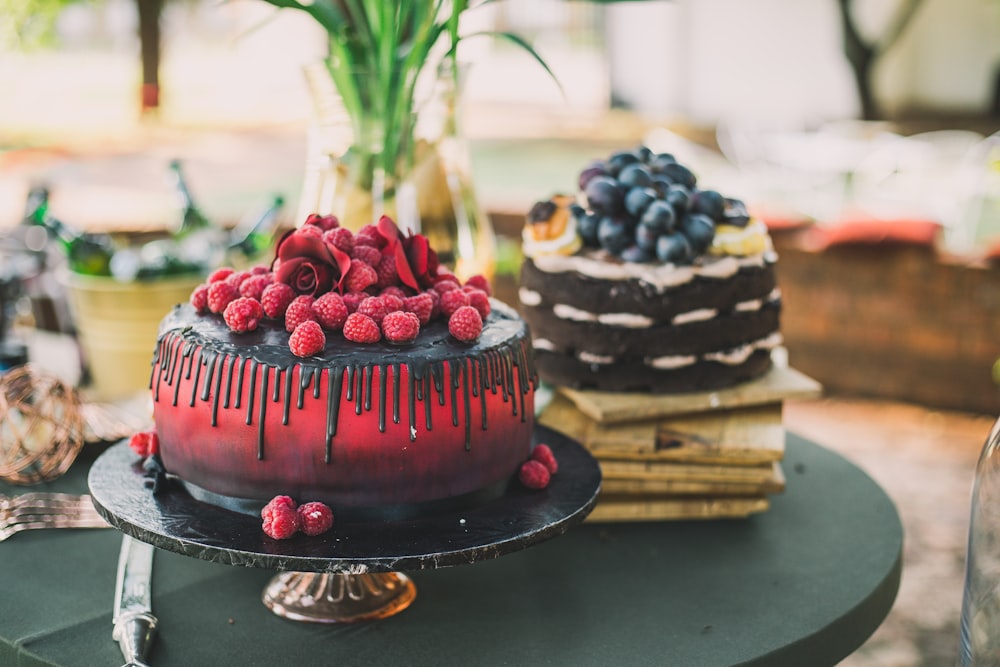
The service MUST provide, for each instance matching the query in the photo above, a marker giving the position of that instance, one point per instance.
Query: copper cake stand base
(353, 572)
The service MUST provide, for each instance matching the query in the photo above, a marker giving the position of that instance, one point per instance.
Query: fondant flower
(307, 264)
(416, 262)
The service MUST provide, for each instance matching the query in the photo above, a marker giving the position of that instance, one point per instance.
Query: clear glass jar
(979, 645)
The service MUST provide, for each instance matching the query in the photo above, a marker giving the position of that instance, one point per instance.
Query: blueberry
(596, 168)
(619, 160)
(635, 176)
(709, 202)
(637, 199)
(699, 229)
(645, 238)
(674, 249)
(680, 174)
(661, 184)
(644, 154)
(586, 227)
(659, 216)
(658, 162)
(613, 234)
(735, 213)
(679, 197)
(604, 195)
(634, 253)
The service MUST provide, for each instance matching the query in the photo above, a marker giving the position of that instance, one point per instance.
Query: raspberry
(446, 285)
(330, 311)
(324, 222)
(281, 521)
(435, 303)
(479, 300)
(299, 311)
(311, 231)
(367, 254)
(199, 298)
(307, 339)
(394, 290)
(392, 302)
(400, 327)
(220, 274)
(368, 235)
(359, 277)
(421, 305)
(259, 269)
(443, 275)
(375, 308)
(315, 518)
(534, 475)
(465, 324)
(219, 296)
(543, 454)
(254, 286)
(353, 299)
(479, 281)
(145, 443)
(340, 238)
(452, 301)
(361, 329)
(243, 314)
(236, 279)
(386, 270)
(275, 298)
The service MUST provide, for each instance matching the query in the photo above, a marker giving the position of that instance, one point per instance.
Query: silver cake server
(135, 625)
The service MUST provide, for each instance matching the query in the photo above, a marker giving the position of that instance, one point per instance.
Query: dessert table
(807, 582)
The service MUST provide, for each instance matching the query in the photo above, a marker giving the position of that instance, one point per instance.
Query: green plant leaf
(521, 42)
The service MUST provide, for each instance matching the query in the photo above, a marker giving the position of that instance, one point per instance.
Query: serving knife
(134, 623)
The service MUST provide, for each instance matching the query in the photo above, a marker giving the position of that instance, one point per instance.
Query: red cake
(435, 411)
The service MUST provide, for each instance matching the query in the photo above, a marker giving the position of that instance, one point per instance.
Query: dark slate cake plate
(174, 521)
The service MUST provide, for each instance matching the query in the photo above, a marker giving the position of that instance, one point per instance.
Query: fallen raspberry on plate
(543, 454)
(400, 327)
(465, 324)
(281, 520)
(315, 518)
(307, 339)
(145, 443)
(534, 474)
(243, 314)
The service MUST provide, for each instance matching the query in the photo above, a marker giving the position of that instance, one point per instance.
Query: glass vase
(409, 161)
(979, 644)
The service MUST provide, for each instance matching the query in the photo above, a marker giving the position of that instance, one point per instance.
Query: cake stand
(354, 571)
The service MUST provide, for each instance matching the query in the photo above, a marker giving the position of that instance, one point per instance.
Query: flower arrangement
(367, 286)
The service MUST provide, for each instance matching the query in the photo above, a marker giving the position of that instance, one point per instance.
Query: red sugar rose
(308, 265)
(416, 262)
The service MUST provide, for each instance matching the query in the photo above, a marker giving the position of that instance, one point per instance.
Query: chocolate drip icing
(501, 361)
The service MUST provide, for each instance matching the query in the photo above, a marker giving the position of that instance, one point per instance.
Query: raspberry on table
(374, 307)
(280, 518)
(370, 255)
(315, 518)
(400, 327)
(479, 281)
(307, 339)
(534, 475)
(220, 274)
(452, 300)
(299, 311)
(276, 298)
(543, 454)
(479, 300)
(421, 305)
(255, 285)
(361, 329)
(220, 294)
(199, 298)
(465, 324)
(340, 238)
(243, 314)
(359, 277)
(330, 311)
(145, 443)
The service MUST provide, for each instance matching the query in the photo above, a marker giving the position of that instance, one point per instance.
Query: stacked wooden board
(713, 454)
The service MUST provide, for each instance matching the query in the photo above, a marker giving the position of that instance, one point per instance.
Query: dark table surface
(802, 584)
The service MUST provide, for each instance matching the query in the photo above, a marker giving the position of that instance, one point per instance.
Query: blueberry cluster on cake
(647, 281)
(355, 371)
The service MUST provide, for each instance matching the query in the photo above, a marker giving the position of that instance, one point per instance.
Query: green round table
(805, 583)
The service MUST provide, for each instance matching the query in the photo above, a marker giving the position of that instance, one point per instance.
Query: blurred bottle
(980, 631)
(86, 253)
(254, 236)
(199, 240)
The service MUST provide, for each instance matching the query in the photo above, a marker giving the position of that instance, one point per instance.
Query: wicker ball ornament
(41, 426)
